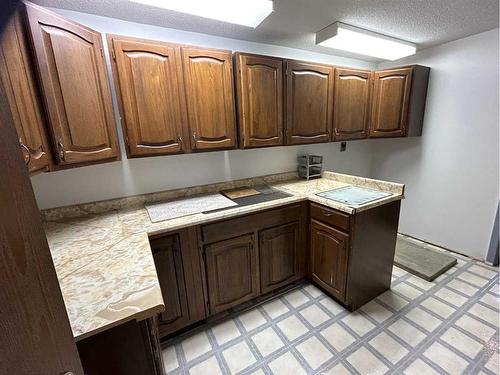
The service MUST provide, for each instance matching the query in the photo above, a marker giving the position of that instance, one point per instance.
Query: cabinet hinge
(113, 54)
(102, 53)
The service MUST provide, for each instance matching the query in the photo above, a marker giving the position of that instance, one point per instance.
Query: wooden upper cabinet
(259, 82)
(17, 75)
(208, 82)
(351, 104)
(75, 87)
(148, 78)
(309, 99)
(391, 99)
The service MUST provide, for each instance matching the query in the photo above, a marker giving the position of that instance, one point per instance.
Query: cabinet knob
(180, 140)
(62, 153)
(67, 373)
(195, 139)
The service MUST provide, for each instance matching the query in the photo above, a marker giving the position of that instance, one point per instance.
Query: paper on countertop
(183, 207)
(353, 195)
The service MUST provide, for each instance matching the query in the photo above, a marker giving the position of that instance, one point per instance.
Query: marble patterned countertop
(103, 258)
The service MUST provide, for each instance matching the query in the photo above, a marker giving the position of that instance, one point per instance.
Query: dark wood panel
(329, 250)
(75, 85)
(148, 77)
(309, 102)
(330, 216)
(391, 98)
(351, 105)
(17, 75)
(208, 80)
(232, 272)
(259, 82)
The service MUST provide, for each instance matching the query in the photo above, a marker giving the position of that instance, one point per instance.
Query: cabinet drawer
(329, 216)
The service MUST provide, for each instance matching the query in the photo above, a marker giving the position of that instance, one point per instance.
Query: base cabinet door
(232, 272)
(279, 256)
(328, 258)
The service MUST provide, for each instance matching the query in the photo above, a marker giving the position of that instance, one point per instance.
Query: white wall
(138, 176)
(451, 172)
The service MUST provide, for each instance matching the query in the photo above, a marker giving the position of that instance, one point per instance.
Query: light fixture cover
(353, 39)
(242, 12)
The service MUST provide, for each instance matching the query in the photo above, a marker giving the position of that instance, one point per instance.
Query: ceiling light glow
(353, 39)
(242, 12)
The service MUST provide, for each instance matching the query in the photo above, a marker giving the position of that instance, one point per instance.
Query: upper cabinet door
(208, 79)
(309, 99)
(391, 98)
(259, 81)
(75, 86)
(351, 104)
(17, 75)
(148, 79)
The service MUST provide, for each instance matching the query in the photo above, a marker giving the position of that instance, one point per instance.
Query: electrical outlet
(343, 146)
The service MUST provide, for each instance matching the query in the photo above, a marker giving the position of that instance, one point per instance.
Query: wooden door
(75, 86)
(309, 99)
(17, 75)
(279, 258)
(232, 272)
(351, 104)
(391, 98)
(328, 258)
(168, 262)
(259, 82)
(208, 81)
(148, 78)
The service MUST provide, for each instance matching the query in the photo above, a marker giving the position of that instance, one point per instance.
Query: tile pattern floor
(449, 326)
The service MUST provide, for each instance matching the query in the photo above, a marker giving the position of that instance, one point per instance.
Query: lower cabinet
(232, 272)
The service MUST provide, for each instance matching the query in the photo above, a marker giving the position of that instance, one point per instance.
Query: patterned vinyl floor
(449, 326)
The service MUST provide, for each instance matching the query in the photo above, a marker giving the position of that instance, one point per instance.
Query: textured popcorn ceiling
(294, 22)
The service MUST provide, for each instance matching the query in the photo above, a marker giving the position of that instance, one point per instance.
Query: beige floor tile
(238, 357)
(493, 364)
(358, 323)
(314, 315)
(438, 307)
(292, 328)
(267, 341)
(338, 369)
(225, 332)
(483, 271)
(462, 342)
(491, 300)
(275, 308)
(297, 298)
(209, 366)
(451, 297)
(286, 364)
(376, 311)
(388, 347)
(170, 361)
(485, 313)
(337, 337)
(462, 287)
(475, 327)
(393, 300)
(366, 363)
(332, 306)
(446, 359)
(314, 352)
(473, 279)
(195, 346)
(252, 319)
(407, 332)
(407, 291)
(398, 272)
(419, 367)
(423, 319)
(313, 291)
(258, 372)
(420, 283)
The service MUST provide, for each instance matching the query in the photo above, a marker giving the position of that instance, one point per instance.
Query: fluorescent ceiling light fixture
(242, 12)
(353, 39)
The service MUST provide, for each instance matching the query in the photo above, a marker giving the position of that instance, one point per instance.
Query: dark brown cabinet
(328, 258)
(232, 272)
(208, 80)
(17, 76)
(351, 104)
(259, 84)
(148, 79)
(75, 88)
(309, 102)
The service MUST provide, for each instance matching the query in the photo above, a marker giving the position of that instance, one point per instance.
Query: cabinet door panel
(391, 98)
(279, 263)
(328, 258)
(351, 104)
(260, 100)
(232, 272)
(17, 75)
(147, 75)
(208, 81)
(309, 98)
(76, 88)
